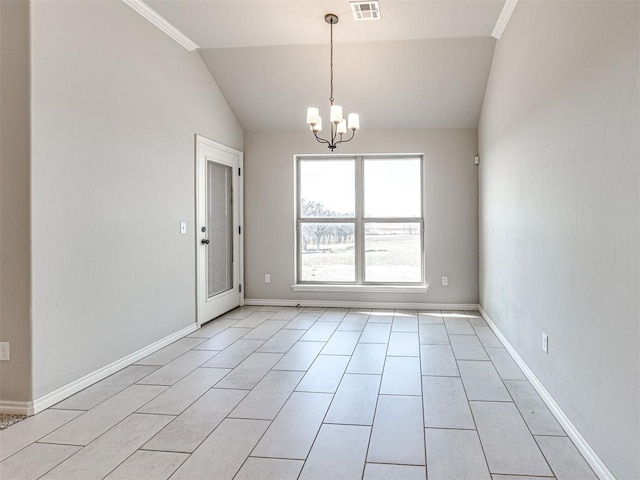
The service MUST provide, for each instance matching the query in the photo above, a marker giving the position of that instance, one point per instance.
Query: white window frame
(359, 221)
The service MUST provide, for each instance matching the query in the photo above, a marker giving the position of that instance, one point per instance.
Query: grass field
(388, 258)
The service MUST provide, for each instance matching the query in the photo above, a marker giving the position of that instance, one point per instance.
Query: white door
(218, 235)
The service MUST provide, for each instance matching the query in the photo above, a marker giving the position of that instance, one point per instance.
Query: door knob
(204, 241)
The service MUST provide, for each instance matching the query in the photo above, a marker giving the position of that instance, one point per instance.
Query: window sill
(307, 287)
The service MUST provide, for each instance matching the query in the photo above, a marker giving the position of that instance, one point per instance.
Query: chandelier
(338, 124)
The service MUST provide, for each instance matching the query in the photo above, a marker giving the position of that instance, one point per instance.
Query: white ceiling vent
(365, 10)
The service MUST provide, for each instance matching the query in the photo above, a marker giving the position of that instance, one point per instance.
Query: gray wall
(559, 211)
(451, 211)
(15, 277)
(115, 107)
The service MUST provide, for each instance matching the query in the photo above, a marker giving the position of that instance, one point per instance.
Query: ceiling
(425, 64)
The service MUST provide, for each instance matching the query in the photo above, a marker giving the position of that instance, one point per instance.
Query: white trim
(308, 287)
(65, 391)
(155, 18)
(353, 304)
(503, 19)
(16, 408)
(585, 449)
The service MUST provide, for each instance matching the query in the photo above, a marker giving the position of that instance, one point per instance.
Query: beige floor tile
(368, 358)
(303, 321)
(192, 426)
(458, 326)
(338, 452)
(171, 351)
(333, 315)
(487, 337)
(222, 454)
(481, 381)
(341, 343)
(212, 328)
(355, 401)
(293, 431)
(433, 334)
(398, 434)
(177, 398)
(146, 465)
(255, 319)
(445, 403)
(267, 398)
(325, 374)
(508, 445)
(300, 357)
(177, 369)
(90, 425)
(103, 455)
(401, 376)
(402, 344)
(506, 367)
(455, 455)
(381, 316)
(354, 322)
(35, 460)
(375, 333)
(467, 347)
(29, 430)
(250, 371)
(286, 313)
(223, 339)
(241, 312)
(378, 471)
(518, 477)
(320, 332)
(430, 318)
(406, 323)
(281, 342)
(438, 360)
(536, 414)
(234, 354)
(565, 459)
(266, 330)
(269, 469)
(104, 389)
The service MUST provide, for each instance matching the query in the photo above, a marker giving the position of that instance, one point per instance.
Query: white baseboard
(350, 304)
(41, 403)
(581, 444)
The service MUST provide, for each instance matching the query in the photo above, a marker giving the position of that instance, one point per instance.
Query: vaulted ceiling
(425, 64)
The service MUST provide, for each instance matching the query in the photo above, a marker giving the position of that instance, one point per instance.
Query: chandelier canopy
(337, 123)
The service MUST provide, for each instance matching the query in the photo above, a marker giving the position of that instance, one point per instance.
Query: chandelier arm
(353, 134)
(320, 139)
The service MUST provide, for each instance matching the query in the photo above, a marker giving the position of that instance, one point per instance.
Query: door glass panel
(219, 228)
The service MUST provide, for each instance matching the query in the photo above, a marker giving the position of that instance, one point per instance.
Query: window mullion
(359, 225)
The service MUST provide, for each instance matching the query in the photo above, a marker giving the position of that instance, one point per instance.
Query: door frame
(200, 142)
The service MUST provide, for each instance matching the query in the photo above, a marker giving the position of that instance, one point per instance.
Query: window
(359, 220)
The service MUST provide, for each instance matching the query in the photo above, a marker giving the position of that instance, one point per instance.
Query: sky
(391, 187)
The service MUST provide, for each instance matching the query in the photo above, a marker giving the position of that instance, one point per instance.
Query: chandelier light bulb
(342, 127)
(336, 113)
(354, 121)
(313, 114)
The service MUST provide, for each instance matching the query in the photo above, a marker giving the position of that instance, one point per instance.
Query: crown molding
(507, 9)
(150, 14)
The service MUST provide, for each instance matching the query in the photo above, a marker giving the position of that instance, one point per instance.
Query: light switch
(183, 227)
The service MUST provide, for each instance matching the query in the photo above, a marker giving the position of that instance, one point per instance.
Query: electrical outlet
(267, 278)
(5, 351)
(445, 281)
(545, 342)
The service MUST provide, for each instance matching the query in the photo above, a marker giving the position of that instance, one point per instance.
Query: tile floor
(306, 393)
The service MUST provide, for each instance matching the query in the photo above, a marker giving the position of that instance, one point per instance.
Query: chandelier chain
(331, 65)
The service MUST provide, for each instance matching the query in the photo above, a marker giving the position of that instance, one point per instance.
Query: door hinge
(239, 172)
(239, 230)
(240, 288)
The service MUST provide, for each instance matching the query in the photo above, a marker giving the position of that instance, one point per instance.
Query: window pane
(327, 252)
(327, 188)
(392, 252)
(392, 188)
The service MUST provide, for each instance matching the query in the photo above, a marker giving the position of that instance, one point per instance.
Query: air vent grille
(365, 10)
